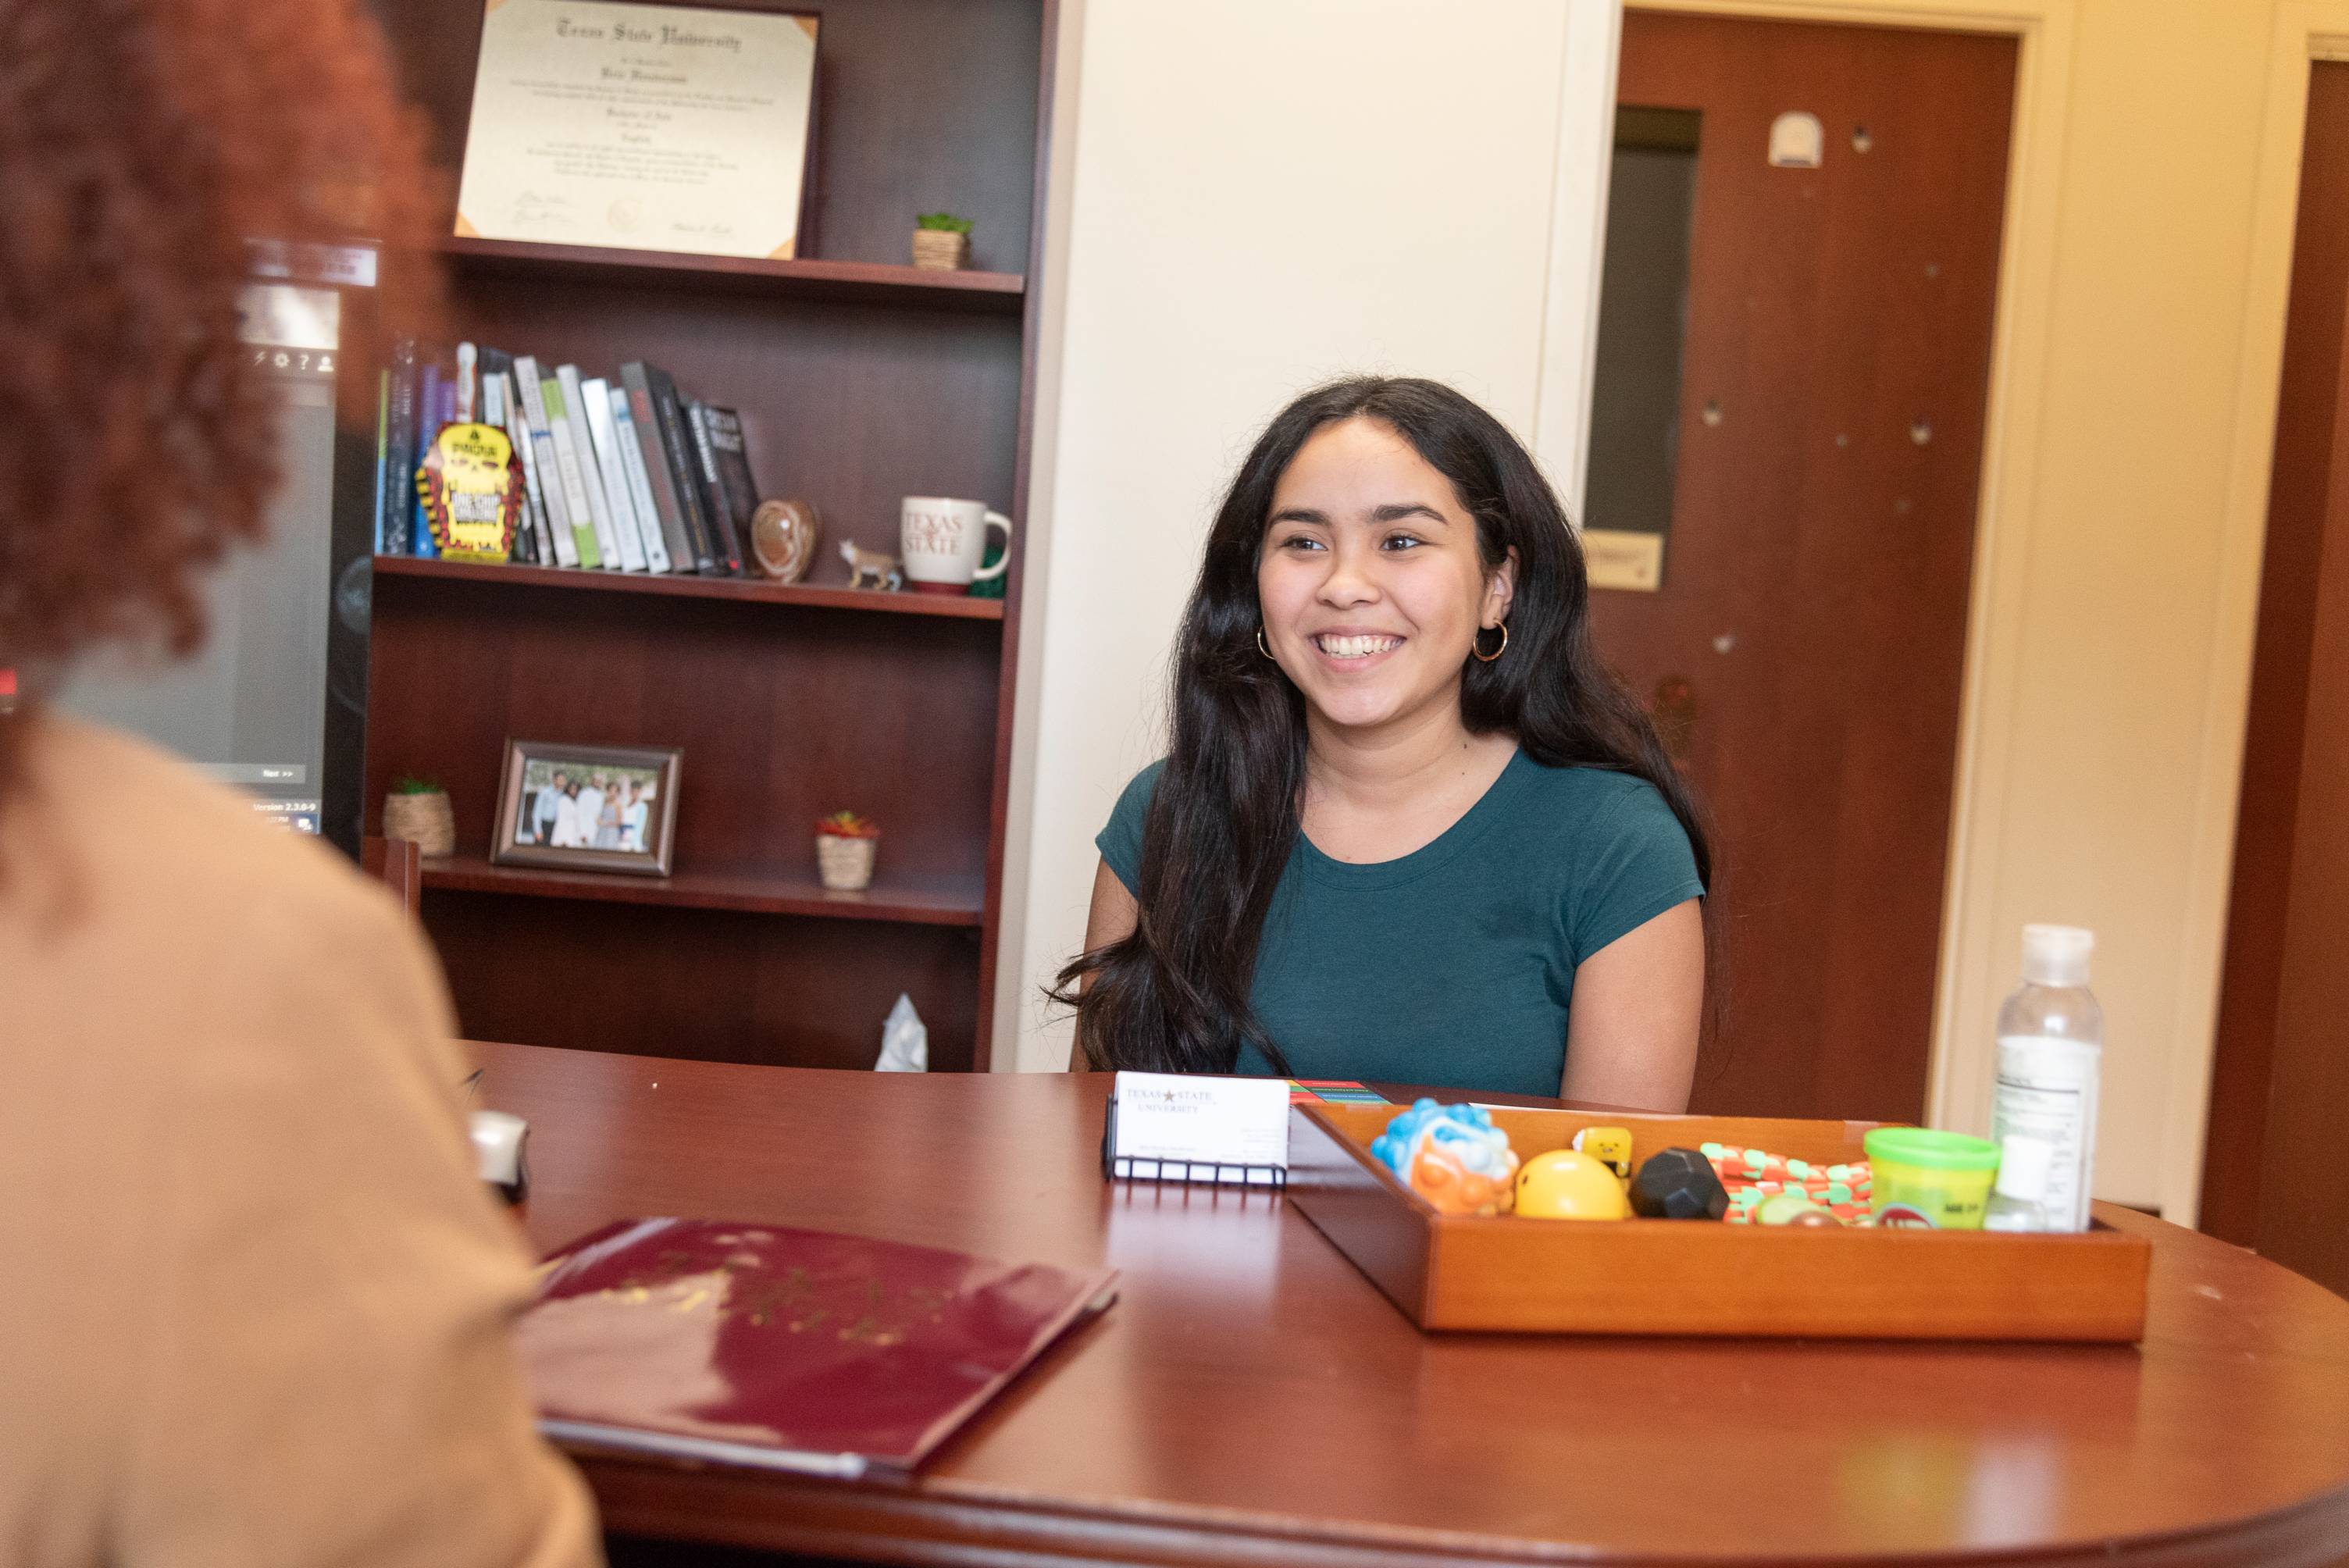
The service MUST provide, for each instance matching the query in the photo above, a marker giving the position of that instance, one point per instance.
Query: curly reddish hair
(143, 143)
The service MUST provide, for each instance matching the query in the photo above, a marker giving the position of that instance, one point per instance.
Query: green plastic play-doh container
(1925, 1178)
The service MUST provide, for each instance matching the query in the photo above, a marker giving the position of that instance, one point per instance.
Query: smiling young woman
(1409, 827)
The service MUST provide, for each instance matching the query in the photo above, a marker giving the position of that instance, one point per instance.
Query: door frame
(2305, 31)
(1975, 964)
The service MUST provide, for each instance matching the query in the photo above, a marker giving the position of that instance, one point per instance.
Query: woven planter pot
(940, 250)
(845, 865)
(424, 820)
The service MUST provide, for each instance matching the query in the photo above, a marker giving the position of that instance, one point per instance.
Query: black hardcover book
(733, 492)
(676, 446)
(399, 450)
(728, 538)
(659, 474)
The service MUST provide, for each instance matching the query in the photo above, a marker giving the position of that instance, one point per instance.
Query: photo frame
(588, 807)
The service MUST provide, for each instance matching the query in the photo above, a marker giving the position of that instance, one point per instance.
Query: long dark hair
(1174, 996)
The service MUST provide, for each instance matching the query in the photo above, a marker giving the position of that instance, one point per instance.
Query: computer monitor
(251, 707)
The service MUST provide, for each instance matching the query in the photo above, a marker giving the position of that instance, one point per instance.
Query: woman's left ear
(1500, 588)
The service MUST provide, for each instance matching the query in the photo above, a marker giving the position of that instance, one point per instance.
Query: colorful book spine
(677, 442)
(598, 509)
(444, 416)
(595, 402)
(396, 504)
(552, 494)
(721, 516)
(584, 533)
(427, 426)
(640, 489)
(658, 472)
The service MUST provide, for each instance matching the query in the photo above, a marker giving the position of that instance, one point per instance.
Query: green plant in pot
(417, 808)
(941, 242)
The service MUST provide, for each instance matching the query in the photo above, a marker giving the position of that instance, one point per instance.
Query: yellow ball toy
(1565, 1185)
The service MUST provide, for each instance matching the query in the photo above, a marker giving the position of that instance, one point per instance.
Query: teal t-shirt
(1455, 964)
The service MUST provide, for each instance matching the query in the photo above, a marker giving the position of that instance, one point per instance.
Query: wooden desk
(1253, 1400)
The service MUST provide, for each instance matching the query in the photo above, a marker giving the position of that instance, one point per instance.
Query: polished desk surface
(1252, 1398)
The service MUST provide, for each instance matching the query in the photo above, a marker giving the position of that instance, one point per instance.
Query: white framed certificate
(640, 127)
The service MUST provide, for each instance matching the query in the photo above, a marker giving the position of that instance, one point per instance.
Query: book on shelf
(520, 549)
(735, 489)
(396, 502)
(595, 398)
(517, 429)
(500, 407)
(658, 476)
(586, 532)
(569, 408)
(553, 494)
(640, 489)
(743, 1344)
(619, 474)
(722, 515)
(429, 386)
(685, 472)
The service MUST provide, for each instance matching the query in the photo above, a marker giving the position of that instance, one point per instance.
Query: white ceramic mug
(941, 542)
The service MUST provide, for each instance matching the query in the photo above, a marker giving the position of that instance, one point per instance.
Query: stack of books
(630, 476)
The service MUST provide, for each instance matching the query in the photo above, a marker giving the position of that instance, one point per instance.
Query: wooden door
(1808, 637)
(2272, 1178)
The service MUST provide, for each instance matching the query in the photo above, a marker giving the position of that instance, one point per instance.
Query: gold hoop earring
(1482, 655)
(1261, 647)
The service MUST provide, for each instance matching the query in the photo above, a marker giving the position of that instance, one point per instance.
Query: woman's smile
(1350, 651)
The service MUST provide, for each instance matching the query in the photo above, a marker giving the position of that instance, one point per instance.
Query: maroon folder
(802, 1350)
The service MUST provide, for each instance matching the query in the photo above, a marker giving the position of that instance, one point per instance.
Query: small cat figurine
(862, 563)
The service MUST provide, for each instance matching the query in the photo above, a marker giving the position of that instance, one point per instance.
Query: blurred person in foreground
(258, 1306)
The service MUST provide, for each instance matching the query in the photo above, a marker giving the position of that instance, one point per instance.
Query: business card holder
(1118, 1167)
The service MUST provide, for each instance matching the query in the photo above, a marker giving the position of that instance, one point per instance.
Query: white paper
(1203, 1121)
(651, 128)
(904, 1040)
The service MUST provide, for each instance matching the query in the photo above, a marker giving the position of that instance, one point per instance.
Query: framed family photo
(588, 807)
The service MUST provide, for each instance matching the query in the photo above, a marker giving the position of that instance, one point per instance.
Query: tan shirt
(254, 1304)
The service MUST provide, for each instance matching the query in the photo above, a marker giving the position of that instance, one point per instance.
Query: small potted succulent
(941, 242)
(417, 810)
(846, 845)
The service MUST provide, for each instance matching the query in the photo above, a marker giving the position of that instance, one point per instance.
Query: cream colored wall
(2133, 399)
(2109, 709)
(1250, 195)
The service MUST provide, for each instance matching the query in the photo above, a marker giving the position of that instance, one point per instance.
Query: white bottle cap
(2056, 955)
(2024, 1165)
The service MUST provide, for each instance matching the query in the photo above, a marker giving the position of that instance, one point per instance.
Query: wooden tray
(1689, 1276)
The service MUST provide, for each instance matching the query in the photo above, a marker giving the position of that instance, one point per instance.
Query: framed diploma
(640, 127)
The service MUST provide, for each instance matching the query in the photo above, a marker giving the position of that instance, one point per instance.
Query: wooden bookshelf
(860, 380)
(739, 590)
(920, 900)
(865, 282)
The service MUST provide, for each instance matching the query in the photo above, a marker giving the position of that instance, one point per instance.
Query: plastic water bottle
(2018, 1201)
(2051, 1038)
